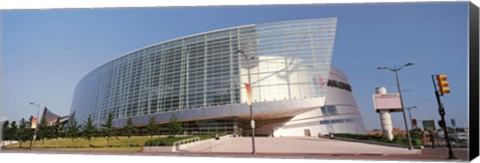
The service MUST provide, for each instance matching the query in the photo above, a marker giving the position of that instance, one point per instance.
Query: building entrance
(307, 132)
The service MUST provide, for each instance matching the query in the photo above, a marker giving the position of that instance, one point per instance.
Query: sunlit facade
(199, 78)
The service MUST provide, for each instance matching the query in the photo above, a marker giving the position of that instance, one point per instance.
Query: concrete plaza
(287, 147)
(305, 145)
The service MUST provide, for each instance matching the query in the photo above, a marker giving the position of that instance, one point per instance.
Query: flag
(249, 93)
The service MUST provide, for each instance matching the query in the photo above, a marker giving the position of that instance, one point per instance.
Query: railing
(185, 141)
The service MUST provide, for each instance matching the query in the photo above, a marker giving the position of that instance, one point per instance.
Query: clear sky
(47, 52)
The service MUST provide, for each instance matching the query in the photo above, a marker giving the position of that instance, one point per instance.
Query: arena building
(200, 79)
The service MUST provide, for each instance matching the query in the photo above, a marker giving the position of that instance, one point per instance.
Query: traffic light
(441, 124)
(443, 84)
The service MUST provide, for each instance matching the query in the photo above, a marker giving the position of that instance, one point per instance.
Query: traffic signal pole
(441, 110)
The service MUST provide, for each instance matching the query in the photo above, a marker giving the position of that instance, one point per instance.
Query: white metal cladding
(338, 114)
(203, 70)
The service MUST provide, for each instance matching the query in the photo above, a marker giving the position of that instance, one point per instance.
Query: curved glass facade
(204, 70)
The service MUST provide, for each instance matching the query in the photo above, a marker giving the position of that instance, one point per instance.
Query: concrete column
(385, 117)
(387, 127)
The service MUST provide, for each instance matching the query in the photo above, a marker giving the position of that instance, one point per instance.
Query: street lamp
(36, 128)
(252, 122)
(395, 69)
(410, 114)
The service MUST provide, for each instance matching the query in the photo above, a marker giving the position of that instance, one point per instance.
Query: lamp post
(252, 122)
(36, 128)
(410, 114)
(395, 69)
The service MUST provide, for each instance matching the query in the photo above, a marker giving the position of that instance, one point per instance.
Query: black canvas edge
(473, 80)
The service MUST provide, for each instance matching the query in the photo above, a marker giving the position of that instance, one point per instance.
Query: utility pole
(395, 69)
(248, 87)
(443, 85)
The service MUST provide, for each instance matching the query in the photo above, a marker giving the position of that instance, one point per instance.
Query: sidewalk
(331, 149)
(289, 147)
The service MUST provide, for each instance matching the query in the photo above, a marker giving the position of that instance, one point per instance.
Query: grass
(97, 143)
(121, 149)
(100, 144)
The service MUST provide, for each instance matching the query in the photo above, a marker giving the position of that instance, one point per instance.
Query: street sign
(429, 125)
(453, 122)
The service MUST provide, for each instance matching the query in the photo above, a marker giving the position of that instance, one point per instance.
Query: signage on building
(339, 84)
(389, 101)
(429, 125)
(334, 83)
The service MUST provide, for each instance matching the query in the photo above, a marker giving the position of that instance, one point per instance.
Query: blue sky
(47, 52)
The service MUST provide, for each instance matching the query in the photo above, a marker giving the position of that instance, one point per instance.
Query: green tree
(129, 129)
(89, 129)
(5, 134)
(22, 132)
(12, 131)
(152, 128)
(57, 130)
(174, 127)
(30, 131)
(43, 130)
(73, 130)
(107, 128)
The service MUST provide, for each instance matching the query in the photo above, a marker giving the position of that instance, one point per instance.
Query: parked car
(455, 137)
(460, 137)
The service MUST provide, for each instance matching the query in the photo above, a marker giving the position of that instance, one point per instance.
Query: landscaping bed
(168, 141)
(398, 140)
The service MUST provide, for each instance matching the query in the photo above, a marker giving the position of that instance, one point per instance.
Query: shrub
(398, 139)
(417, 142)
(384, 139)
(211, 135)
(168, 141)
(206, 136)
(416, 133)
(360, 137)
(164, 141)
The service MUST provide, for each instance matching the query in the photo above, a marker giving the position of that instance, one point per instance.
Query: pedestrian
(432, 138)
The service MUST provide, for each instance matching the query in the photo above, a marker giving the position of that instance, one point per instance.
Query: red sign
(34, 122)
(321, 81)
(249, 93)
